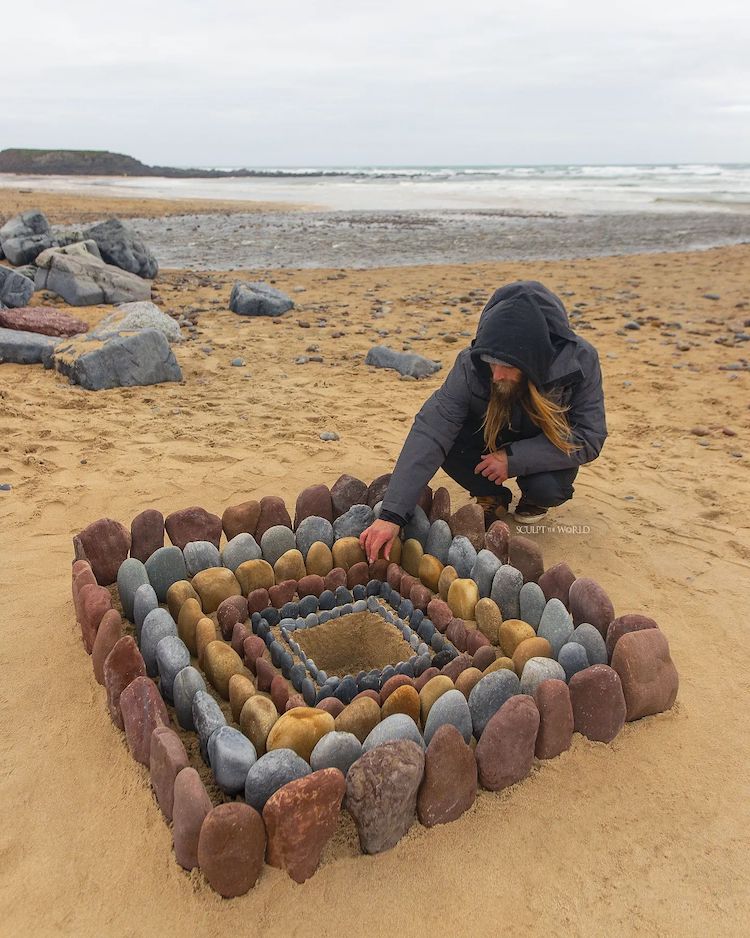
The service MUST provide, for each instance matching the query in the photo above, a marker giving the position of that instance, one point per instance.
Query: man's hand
(379, 534)
(494, 466)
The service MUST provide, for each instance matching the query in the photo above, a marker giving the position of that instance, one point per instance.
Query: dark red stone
(468, 522)
(272, 512)
(449, 785)
(190, 806)
(358, 574)
(296, 700)
(377, 488)
(421, 596)
(456, 633)
(622, 625)
(475, 640)
(455, 667)
(526, 555)
(258, 600)
(424, 500)
(315, 500)
(193, 524)
(398, 680)
(598, 703)
(252, 648)
(331, 705)
(231, 848)
(231, 610)
(556, 582)
(279, 693)
(483, 657)
(555, 735)
(372, 694)
(147, 534)
(589, 603)
(105, 544)
(44, 320)
(439, 613)
(347, 491)
(379, 569)
(265, 673)
(239, 633)
(440, 510)
(334, 579)
(310, 585)
(647, 673)
(497, 539)
(505, 751)
(142, 710)
(93, 603)
(282, 593)
(108, 635)
(407, 582)
(240, 519)
(84, 578)
(393, 575)
(167, 759)
(121, 666)
(424, 677)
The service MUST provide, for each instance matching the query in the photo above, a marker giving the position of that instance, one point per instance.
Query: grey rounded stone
(531, 603)
(186, 685)
(537, 670)
(590, 637)
(506, 590)
(555, 625)
(271, 772)
(242, 547)
(172, 656)
(230, 755)
(313, 529)
(483, 572)
(201, 555)
(439, 540)
(207, 717)
(451, 707)
(336, 750)
(130, 578)
(165, 567)
(353, 522)
(462, 556)
(418, 526)
(276, 541)
(145, 601)
(488, 695)
(396, 726)
(156, 626)
(573, 659)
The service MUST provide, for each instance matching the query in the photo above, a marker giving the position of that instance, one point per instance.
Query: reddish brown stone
(279, 693)
(505, 751)
(84, 578)
(439, 613)
(424, 500)
(108, 635)
(398, 680)
(231, 848)
(79, 566)
(193, 524)
(647, 673)
(497, 539)
(526, 555)
(142, 709)
(393, 575)
(372, 694)
(190, 806)
(468, 522)
(121, 666)
(231, 610)
(345, 492)
(167, 759)
(474, 641)
(315, 500)
(331, 705)
(335, 578)
(252, 648)
(93, 602)
(449, 785)
(556, 582)
(265, 673)
(598, 703)
(310, 585)
(358, 574)
(239, 633)
(147, 534)
(555, 735)
(455, 667)
(622, 625)
(379, 569)
(258, 600)
(424, 677)
(44, 320)
(300, 818)
(296, 700)
(483, 657)
(440, 510)
(377, 488)
(420, 596)
(456, 633)
(282, 593)
(105, 544)
(240, 519)
(407, 583)
(272, 512)
(589, 603)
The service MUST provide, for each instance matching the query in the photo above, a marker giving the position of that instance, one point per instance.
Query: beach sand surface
(646, 836)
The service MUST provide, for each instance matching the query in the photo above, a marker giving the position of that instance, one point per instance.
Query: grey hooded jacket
(572, 376)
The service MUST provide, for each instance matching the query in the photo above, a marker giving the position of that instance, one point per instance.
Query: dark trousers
(545, 489)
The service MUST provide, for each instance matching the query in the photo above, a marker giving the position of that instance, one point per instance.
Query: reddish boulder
(331, 705)
(358, 574)
(142, 710)
(440, 613)
(335, 578)
(105, 544)
(377, 489)
(407, 583)
(240, 519)
(282, 593)
(440, 510)
(556, 583)
(252, 648)
(647, 673)
(589, 603)
(622, 625)
(190, 806)
(455, 667)
(449, 786)
(231, 610)
(555, 735)
(108, 635)
(424, 500)
(193, 524)
(427, 675)
(526, 555)
(265, 673)
(468, 522)
(300, 818)
(393, 575)
(315, 500)
(456, 634)
(310, 585)
(420, 596)
(295, 701)
(239, 633)
(497, 539)
(398, 680)
(167, 758)
(44, 320)
(279, 693)
(345, 492)
(505, 751)
(475, 640)
(93, 603)
(258, 600)
(483, 657)
(598, 703)
(85, 577)
(379, 569)
(272, 512)
(231, 847)
(147, 534)
(121, 666)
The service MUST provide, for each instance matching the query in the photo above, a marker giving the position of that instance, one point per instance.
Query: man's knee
(548, 489)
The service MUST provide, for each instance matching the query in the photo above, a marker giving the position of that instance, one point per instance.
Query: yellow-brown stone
(359, 717)
(319, 559)
(214, 586)
(463, 596)
(467, 679)
(254, 575)
(290, 566)
(241, 689)
(530, 648)
(257, 718)
(512, 633)
(220, 662)
(177, 594)
(448, 575)
(489, 619)
(300, 729)
(499, 664)
(434, 688)
(404, 699)
(346, 552)
(205, 633)
(396, 551)
(430, 569)
(411, 555)
(191, 612)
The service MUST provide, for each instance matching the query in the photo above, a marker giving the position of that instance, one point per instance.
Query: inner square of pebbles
(359, 641)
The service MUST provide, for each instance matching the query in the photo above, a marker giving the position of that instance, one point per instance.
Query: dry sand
(645, 836)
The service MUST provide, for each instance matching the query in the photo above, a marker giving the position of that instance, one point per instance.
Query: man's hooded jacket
(524, 324)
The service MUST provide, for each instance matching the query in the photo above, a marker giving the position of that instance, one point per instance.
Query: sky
(317, 82)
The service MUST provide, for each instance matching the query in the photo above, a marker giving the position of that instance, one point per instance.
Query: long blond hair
(548, 415)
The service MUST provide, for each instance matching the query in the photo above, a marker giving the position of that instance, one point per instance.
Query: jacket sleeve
(432, 435)
(589, 431)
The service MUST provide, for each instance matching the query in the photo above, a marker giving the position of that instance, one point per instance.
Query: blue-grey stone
(156, 626)
(230, 755)
(325, 690)
(308, 691)
(385, 591)
(165, 567)
(373, 588)
(483, 572)
(488, 695)
(201, 555)
(359, 605)
(437, 642)
(387, 673)
(359, 592)
(324, 616)
(310, 531)
(276, 541)
(271, 615)
(27, 348)
(415, 619)
(424, 661)
(531, 602)
(207, 717)
(145, 601)
(589, 636)
(426, 630)
(555, 625)
(347, 690)
(336, 750)
(444, 655)
(345, 610)
(272, 771)
(396, 726)
(418, 527)
(185, 686)
(405, 363)
(373, 605)
(370, 681)
(130, 578)
(353, 522)
(15, 289)
(414, 642)
(276, 649)
(423, 650)
(462, 556)
(343, 596)
(506, 590)
(327, 600)
(119, 244)
(573, 659)
(307, 605)
(405, 608)
(127, 360)
(453, 708)
(172, 656)
(255, 298)
(242, 547)
(537, 670)
(297, 676)
(438, 541)
(405, 667)
(286, 663)
(289, 610)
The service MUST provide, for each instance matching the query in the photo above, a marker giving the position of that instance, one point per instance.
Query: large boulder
(133, 317)
(24, 237)
(15, 289)
(26, 348)
(84, 280)
(80, 248)
(258, 299)
(45, 320)
(133, 358)
(407, 364)
(122, 247)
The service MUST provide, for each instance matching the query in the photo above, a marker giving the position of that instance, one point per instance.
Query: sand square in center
(358, 641)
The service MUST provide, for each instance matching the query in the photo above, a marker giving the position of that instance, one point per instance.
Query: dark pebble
(437, 642)
(343, 596)
(370, 681)
(359, 592)
(422, 663)
(387, 673)
(5, 486)
(308, 692)
(405, 667)
(291, 611)
(326, 600)
(307, 605)
(276, 649)
(373, 588)
(325, 691)
(395, 599)
(442, 658)
(271, 615)
(426, 630)
(347, 690)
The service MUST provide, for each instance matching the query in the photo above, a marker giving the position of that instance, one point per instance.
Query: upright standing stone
(347, 491)
(599, 708)
(526, 555)
(531, 603)
(276, 541)
(462, 556)
(93, 603)
(105, 544)
(190, 807)
(121, 666)
(497, 539)
(505, 752)
(186, 685)
(147, 533)
(538, 670)
(165, 567)
(272, 512)
(311, 530)
(440, 510)
(156, 626)
(592, 641)
(589, 603)
(230, 755)
(506, 591)
(555, 735)
(449, 786)
(142, 710)
(240, 519)
(167, 758)
(630, 622)
(489, 695)
(556, 583)
(555, 625)
(314, 500)
(649, 678)
(108, 635)
(468, 522)
(201, 555)
(438, 541)
(377, 489)
(484, 570)
(271, 772)
(418, 526)
(131, 575)
(193, 524)
(231, 847)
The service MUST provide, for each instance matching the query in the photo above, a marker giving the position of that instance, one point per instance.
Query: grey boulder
(24, 237)
(270, 772)
(26, 348)
(121, 246)
(336, 750)
(186, 685)
(201, 555)
(353, 522)
(128, 360)
(462, 556)
(488, 695)
(418, 527)
(15, 289)
(313, 529)
(258, 299)
(130, 578)
(242, 547)
(538, 670)
(405, 363)
(439, 540)
(276, 541)
(450, 708)
(172, 656)
(396, 726)
(230, 755)
(156, 626)
(133, 317)
(84, 280)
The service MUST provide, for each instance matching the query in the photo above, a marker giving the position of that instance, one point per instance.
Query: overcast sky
(397, 82)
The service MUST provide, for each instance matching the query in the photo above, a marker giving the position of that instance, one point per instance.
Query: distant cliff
(98, 163)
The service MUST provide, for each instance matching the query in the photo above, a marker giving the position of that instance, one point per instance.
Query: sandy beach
(646, 836)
